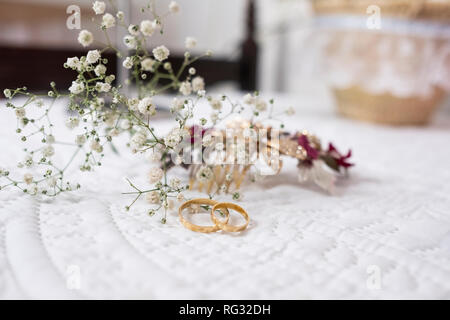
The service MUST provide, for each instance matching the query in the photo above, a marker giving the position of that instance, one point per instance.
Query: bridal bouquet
(101, 111)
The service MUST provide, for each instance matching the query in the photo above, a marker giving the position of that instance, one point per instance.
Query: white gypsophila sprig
(101, 111)
(99, 7)
(85, 38)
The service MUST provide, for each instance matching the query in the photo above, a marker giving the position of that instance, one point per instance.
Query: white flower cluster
(255, 101)
(101, 110)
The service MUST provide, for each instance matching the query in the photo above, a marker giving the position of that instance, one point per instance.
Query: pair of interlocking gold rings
(218, 224)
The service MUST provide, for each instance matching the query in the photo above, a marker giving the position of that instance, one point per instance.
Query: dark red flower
(196, 132)
(341, 160)
(310, 151)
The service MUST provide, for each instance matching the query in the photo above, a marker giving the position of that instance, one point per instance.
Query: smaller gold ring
(197, 228)
(223, 225)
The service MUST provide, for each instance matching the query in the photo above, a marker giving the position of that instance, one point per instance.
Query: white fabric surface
(393, 213)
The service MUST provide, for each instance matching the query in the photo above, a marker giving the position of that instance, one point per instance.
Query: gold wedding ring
(197, 228)
(224, 225)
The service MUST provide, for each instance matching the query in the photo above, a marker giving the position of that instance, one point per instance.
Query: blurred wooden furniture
(24, 61)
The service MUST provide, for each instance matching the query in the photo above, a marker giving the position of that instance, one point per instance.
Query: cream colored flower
(155, 174)
(92, 56)
(161, 53)
(216, 104)
(85, 38)
(147, 64)
(204, 174)
(28, 178)
(147, 27)
(198, 83)
(186, 88)
(108, 21)
(174, 7)
(99, 7)
(146, 106)
(153, 197)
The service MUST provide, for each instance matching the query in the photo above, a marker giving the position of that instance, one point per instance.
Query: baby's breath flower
(108, 20)
(153, 197)
(177, 105)
(133, 104)
(192, 71)
(173, 138)
(28, 178)
(174, 7)
(76, 87)
(120, 15)
(216, 104)
(261, 105)
(85, 38)
(100, 70)
(48, 151)
(198, 84)
(110, 78)
(114, 132)
(161, 53)
(33, 189)
(92, 56)
(204, 174)
(147, 64)
(130, 41)
(28, 161)
(237, 196)
(133, 29)
(147, 27)
(175, 183)
(73, 63)
(99, 7)
(97, 103)
(80, 139)
(190, 43)
(102, 87)
(249, 99)
(128, 63)
(7, 93)
(214, 117)
(186, 88)
(138, 139)
(72, 122)
(290, 111)
(96, 146)
(20, 113)
(39, 103)
(146, 106)
(154, 156)
(207, 140)
(52, 181)
(155, 174)
(180, 197)
(50, 139)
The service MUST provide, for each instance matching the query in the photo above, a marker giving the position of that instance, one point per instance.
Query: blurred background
(384, 61)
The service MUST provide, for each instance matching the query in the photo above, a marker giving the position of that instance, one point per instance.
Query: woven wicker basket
(355, 102)
(386, 108)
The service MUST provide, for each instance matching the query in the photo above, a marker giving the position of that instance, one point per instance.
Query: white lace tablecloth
(390, 219)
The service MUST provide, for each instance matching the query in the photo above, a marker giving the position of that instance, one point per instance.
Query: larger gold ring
(223, 225)
(197, 228)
